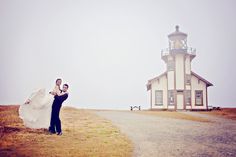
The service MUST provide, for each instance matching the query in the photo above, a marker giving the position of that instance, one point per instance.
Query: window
(171, 65)
(188, 97)
(178, 44)
(199, 98)
(171, 98)
(188, 79)
(158, 97)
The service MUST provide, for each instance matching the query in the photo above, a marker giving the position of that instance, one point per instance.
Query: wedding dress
(37, 113)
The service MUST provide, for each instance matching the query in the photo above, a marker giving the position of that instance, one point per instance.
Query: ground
(229, 113)
(92, 133)
(84, 135)
(177, 134)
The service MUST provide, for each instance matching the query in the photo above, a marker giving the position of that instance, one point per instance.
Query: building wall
(171, 75)
(171, 78)
(159, 85)
(187, 65)
(198, 85)
(179, 67)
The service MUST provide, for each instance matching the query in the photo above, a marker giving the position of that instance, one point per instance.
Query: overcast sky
(107, 50)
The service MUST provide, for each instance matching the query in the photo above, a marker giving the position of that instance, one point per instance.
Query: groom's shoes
(59, 133)
(51, 133)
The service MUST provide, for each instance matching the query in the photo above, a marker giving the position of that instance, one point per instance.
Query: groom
(55, 124)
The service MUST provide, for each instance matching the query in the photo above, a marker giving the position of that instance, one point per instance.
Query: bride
(36, 111)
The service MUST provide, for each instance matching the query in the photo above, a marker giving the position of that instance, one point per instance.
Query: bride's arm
(55, 91)
(58, 92)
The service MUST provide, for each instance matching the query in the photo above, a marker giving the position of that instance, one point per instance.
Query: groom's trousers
(55, 119)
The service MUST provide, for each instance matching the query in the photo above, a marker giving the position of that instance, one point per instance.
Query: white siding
(171, 107)
(188, 87)
(187, 65)
(161, 85)
(188, 107)
(171, 80)
(198, 85)
(179, 64)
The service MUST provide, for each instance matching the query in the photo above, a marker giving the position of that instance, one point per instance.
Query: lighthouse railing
(188, 50)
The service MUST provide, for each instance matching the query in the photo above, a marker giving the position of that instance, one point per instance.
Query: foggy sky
(107, 50)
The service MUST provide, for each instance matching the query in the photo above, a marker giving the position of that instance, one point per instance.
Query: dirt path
(159, 136)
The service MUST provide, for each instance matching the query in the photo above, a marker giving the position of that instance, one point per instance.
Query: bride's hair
(58, 79)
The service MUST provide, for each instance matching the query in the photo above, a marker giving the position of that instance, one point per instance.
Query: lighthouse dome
(177, 34)
(177, 39)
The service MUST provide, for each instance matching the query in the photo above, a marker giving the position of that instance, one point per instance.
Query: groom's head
(65, 87)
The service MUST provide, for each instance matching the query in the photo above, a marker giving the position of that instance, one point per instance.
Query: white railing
(188, 50)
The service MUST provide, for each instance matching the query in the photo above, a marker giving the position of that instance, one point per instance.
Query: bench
(135, 107)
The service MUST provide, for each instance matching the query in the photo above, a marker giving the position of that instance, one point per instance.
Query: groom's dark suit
(56, 106)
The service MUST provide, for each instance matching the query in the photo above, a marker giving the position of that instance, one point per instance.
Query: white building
(179, 87)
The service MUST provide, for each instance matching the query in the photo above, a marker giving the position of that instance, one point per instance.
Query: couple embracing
(42, 109)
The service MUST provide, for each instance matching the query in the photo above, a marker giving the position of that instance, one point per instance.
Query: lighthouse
(178, 88)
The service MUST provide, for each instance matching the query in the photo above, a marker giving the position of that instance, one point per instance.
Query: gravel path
(155, 136)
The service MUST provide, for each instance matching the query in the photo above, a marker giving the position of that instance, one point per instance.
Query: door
(180, 101)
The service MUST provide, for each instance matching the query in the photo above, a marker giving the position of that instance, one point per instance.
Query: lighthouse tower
(178, 88)
(178, 59)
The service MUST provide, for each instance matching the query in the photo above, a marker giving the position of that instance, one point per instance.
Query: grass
(174, 115)
(84, 135)
(229, 113)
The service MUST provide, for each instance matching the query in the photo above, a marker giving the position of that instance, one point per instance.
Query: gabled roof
(163, 74)
(154, 79)
(202, 79)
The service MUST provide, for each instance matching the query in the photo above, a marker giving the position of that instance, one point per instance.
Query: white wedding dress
(37, 113)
